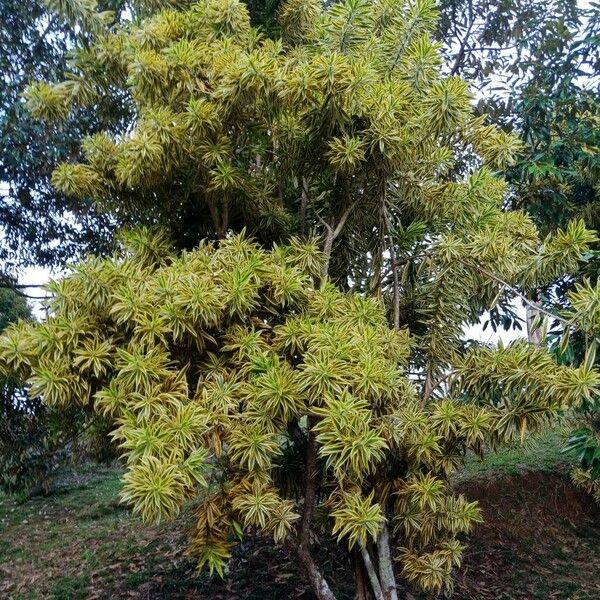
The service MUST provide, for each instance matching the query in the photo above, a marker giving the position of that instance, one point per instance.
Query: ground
(540, 540)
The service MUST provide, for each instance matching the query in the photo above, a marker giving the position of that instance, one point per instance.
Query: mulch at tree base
(540, 539)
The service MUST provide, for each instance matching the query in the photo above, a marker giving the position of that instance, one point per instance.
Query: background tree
(38, 224)
(23, 431)
(12, 308)
(538, 66)
(36, 439)
(243, 356)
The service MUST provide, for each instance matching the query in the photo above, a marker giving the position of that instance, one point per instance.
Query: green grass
(540, 452)
(62, 541)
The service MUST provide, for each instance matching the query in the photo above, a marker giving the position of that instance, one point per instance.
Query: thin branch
(22, 286)
(392, 251)
(463, 46)
(430, 386)
(332, 234)
(17, 289)
(343, 219)
(375, 585)
(324, 222)
(405, 260)
(304, 200)
(516, 292)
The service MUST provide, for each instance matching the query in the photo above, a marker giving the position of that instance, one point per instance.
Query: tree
(233, 379)
(24, 432)
(38, 37)
(536, 66)
(574, 342)
(211, 139)
(38, 224)
(266, 371)
(12, 308)
(14, 440)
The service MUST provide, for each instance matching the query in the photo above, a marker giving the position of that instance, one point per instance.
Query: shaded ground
(540, 539)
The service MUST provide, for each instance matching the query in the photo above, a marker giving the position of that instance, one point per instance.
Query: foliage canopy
(256, 374)
(221, 368)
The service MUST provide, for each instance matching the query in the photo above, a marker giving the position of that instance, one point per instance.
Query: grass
(57, 546)
(80, 543)
(541, 452)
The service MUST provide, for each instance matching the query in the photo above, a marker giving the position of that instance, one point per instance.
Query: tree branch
(396, 285)
(304, 200)
(17, 289)
(430, 386)
(375, 585)
(461, 52)
(332, 234)
(516, 292)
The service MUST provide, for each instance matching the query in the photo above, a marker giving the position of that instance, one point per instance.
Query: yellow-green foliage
(345, 125)
(583, 479)
(216, 365)
(221, 365)
(231, 122)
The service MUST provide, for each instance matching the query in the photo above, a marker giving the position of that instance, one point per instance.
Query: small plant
(576, 342)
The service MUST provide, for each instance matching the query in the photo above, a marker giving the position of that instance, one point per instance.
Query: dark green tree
(12, 308)
(23, 431)
(38, 224)
(536, 65)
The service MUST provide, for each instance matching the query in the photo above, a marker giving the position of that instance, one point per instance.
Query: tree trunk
(372, 573)
(317, 581)
(310, 485)
(301, 543)
(386, 568)
(360, 577)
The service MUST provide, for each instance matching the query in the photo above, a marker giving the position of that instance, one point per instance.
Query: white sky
(489, 336)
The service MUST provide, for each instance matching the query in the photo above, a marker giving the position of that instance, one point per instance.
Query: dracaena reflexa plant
(574, 340)
(237, 380)
(270, 380)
